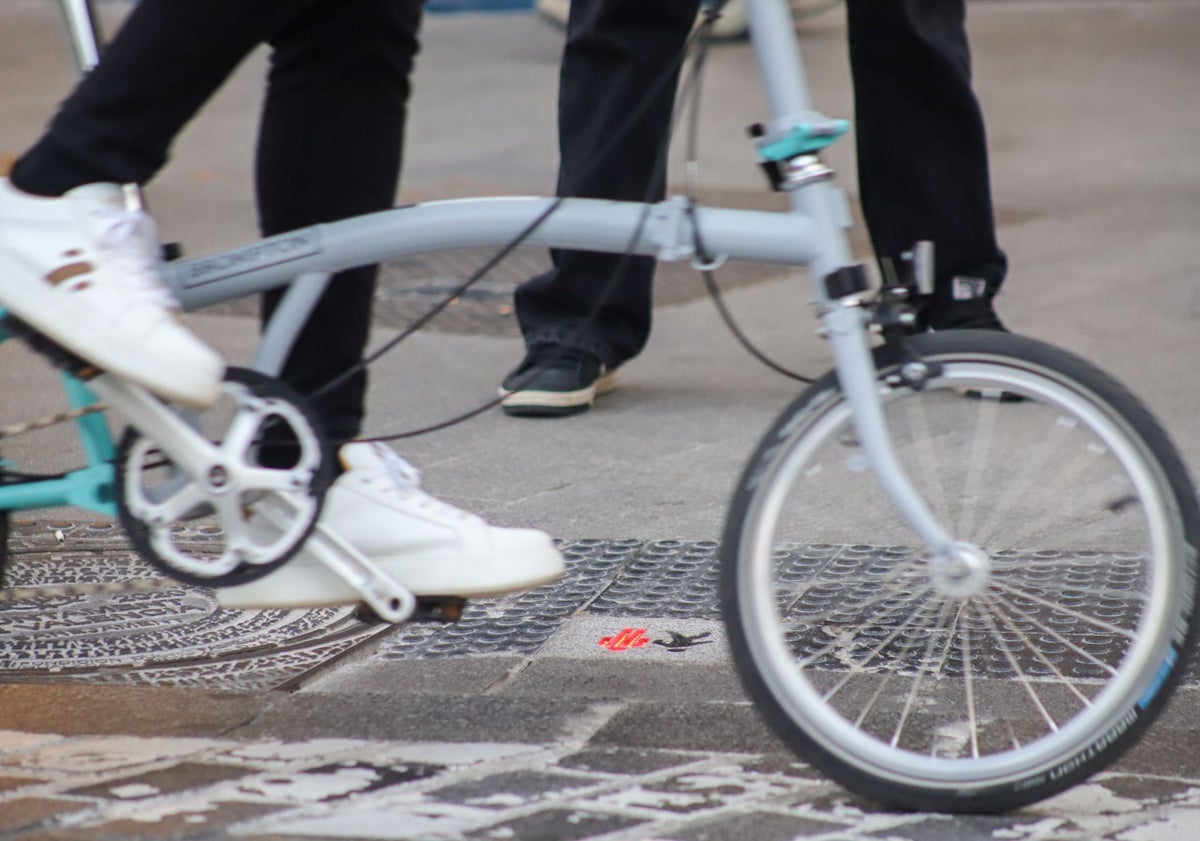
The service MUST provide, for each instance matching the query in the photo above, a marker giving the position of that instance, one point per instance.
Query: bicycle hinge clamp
(906, 281)
(790, 153)
(671, 228)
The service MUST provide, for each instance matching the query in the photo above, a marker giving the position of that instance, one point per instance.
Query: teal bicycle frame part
(88, 487)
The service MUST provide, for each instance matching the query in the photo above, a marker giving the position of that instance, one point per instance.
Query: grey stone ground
(156, 715)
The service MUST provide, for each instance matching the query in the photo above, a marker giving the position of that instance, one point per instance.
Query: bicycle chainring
(269, 451)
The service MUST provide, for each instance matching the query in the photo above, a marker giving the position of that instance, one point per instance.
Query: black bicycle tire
(1089, 759)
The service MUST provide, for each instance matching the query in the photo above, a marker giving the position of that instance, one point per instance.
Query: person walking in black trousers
(923, 175)
(74, 261)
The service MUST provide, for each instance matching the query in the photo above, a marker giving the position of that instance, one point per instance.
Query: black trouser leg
(615, 51)
(330, 147)
(163, 64)
(922, 152)
(329, 144)
(923, 166)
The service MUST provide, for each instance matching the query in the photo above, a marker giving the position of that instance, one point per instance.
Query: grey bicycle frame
(812, 233)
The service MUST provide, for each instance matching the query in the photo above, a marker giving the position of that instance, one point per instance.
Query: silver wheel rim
(1111, 709)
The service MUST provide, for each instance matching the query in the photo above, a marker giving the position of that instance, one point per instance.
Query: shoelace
(132, 238)
(396, 469)
(397, 473)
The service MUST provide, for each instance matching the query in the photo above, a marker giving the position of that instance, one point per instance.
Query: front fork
(789, 154)
(846, 324)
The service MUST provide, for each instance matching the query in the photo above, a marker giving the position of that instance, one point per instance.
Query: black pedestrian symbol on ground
(682, 642)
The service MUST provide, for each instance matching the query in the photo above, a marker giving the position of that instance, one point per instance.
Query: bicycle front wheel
(1017, 672)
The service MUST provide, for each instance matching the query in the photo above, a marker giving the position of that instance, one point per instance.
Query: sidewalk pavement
(604, 706)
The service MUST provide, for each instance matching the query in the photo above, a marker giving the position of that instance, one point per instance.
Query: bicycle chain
(9, 595)
(47, 421)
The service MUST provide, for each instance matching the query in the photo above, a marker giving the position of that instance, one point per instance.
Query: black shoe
(968, 306)
(554, 381)
(975, 314)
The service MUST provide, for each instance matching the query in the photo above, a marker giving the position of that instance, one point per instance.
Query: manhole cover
(170, 634)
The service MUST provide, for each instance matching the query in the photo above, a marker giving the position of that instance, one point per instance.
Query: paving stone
(10, 784)
(1179, 750)
(628, 681)
(510, 789)
(203, 822)
(557, 825)
(334, 782)
(733, 728)
(416, 718)
(83, 639)
(760, 826)
(419, 821)
(976, 828)
(25, 811)
(442, 676)
(181, 777)
(624, 760)
(69, 709)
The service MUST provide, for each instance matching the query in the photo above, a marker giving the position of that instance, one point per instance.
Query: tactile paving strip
(1044, 613)
(177, 634)
(522, 624)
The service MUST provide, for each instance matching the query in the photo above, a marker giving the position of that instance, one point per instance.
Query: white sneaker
(426, 545)
(83, 270)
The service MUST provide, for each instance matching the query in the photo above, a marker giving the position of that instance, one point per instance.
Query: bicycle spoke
(910, 702)
(969, 692)
(855, 631)
(969, 685)
(888, 593)
(1018, 490)
(1061, 608)
(982, 441)
(1026, 681)
(928, 478)
(1066, 641)
(1023, 678)
(856, 668)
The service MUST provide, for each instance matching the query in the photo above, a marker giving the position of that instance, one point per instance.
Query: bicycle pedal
(443, 610)
(56, 354)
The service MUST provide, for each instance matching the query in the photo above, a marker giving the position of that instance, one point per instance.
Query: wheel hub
(963, 571)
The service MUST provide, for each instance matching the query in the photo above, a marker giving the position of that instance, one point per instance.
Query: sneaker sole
(535, 403)
(302, 584)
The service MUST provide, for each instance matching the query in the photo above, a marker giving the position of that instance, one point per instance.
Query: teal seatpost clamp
(789, 153)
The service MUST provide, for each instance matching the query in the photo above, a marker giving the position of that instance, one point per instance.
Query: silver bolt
(915, 372)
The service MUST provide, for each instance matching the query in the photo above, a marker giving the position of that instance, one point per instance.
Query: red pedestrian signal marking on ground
(627, 639)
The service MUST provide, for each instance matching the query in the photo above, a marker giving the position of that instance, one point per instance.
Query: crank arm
(179, 440)
(390, 601)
